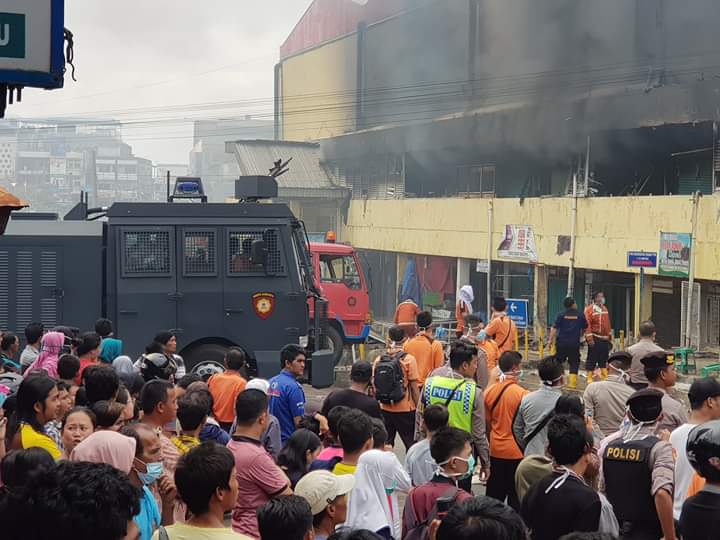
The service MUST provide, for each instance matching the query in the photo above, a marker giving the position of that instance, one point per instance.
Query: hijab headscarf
(373, 502)
(106, 447)
(50, 349)
(467, 295)
(110, 349)
(123, 365)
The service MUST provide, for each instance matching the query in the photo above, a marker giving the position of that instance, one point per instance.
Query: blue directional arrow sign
(517, 310)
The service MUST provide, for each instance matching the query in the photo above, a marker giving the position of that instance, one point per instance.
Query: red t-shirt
(84, 362)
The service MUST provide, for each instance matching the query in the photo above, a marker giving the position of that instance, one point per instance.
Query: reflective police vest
(458, 395)
(628, 481)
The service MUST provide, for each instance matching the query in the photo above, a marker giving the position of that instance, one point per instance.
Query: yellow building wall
(607, 228)
(318, 91)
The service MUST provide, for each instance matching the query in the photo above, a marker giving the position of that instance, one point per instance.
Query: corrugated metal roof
(9, 200)
(256, 157)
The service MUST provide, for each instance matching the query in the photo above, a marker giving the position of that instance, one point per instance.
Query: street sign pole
(642, 288)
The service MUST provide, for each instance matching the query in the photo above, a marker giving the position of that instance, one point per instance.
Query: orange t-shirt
(696, 485)
(225, 388)
(428, 353)
(491, 351)
(410, 374)
(406, 313)
(503, 331)
(502, 441)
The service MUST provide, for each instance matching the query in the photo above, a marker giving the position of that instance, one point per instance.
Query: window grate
(23, 289)
(240, 253)
(4, 290)
(199, 253)
(146, 253)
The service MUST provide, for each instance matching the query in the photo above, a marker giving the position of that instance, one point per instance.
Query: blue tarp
(411, 285)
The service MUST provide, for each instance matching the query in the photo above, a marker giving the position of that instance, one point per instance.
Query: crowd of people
(96, 445)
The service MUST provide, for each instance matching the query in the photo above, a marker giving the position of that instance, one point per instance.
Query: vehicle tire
(335, 344)
(209, 353)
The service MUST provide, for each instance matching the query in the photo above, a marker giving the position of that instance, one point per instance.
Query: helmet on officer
(157, 366)
(703, 450)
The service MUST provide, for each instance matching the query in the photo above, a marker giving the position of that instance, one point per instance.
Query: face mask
(459, 476)
(482, 335)
(153, 474)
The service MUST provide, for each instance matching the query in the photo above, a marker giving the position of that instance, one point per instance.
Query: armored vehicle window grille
(240, 253)
(199, 253)
(4, 290)
(146, 253)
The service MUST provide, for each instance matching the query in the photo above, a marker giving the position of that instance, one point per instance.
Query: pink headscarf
(106, 447)
(50, 349)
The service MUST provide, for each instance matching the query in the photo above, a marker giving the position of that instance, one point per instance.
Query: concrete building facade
(464, 128)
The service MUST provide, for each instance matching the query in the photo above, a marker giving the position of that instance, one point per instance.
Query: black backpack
(388, 378)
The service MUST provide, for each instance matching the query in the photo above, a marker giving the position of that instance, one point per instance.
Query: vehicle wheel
(335, 344)
(207, 358)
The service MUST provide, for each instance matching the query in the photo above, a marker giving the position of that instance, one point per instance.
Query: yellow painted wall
(318, 91)
(607, 227)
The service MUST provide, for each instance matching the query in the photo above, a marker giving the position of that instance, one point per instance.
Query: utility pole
(489, 256)
(573, 223)
(691, 270)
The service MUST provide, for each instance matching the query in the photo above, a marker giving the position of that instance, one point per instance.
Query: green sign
(12, 35)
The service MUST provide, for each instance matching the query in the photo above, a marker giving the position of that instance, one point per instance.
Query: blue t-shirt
(148, 519)
(570, 325)
(287, 400)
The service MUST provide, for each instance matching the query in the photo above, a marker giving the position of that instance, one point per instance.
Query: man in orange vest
(598, 335)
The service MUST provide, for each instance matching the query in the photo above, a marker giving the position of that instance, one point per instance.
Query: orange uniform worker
(428, 352)
(598, 335)
(463, 308)
(501, 328)
(502, 401)
(406, 315)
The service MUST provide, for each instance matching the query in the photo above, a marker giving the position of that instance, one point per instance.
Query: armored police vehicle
(217, 275)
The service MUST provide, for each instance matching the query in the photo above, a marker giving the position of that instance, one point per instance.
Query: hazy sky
(136, 58)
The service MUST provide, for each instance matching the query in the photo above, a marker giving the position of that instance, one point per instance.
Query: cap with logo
(701, 390)
(659, 359)
(321, 488)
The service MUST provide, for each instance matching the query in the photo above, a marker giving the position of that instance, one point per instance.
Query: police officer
(659, 368)
(568, 328)
(453, 386)
(638, 472)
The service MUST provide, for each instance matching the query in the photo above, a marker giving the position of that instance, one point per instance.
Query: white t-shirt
(683, 469)
(419, 463)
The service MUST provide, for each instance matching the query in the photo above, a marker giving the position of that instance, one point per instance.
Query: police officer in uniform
(659, 368)
(453, 386)
(638, 472)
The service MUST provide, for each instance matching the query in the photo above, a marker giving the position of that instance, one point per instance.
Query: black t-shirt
(700, 518)
(354, 400)
(571, 507)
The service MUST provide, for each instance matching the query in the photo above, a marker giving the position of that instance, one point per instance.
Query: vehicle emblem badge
(264, 304)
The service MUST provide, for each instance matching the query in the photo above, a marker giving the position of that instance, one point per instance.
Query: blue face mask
(482, 335)
(153, 474)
